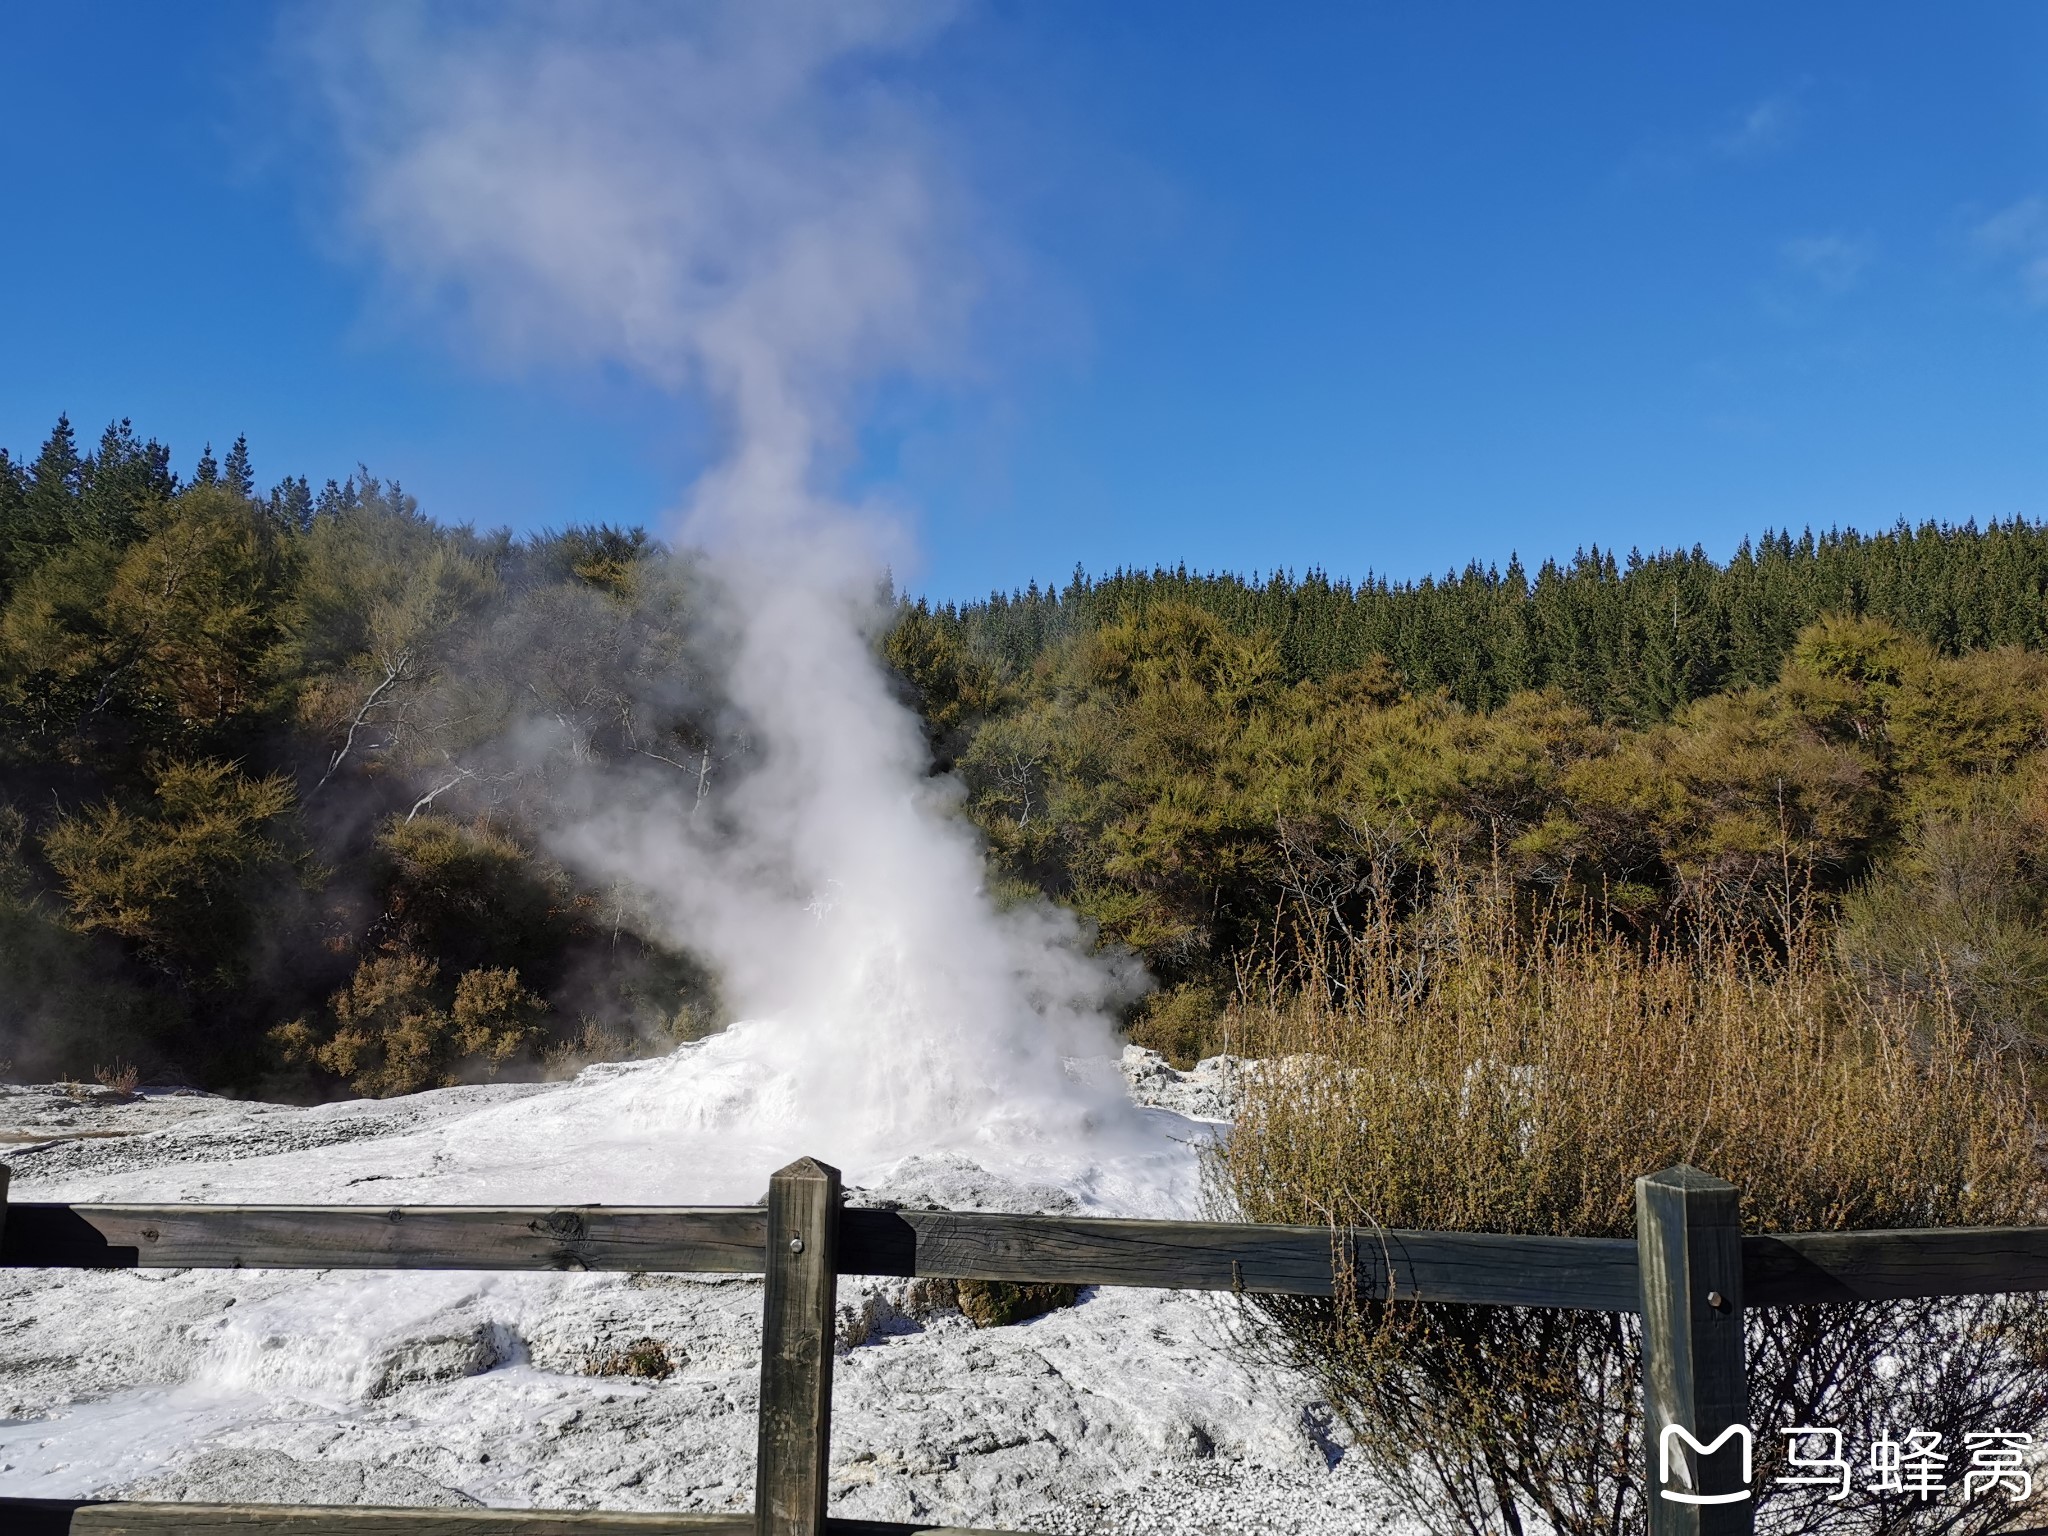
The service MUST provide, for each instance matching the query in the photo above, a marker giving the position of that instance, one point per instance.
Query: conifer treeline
(1628, 639)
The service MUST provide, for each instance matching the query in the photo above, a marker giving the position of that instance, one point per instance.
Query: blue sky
(1359, 287)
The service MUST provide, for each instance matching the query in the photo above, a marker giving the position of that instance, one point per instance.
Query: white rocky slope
(1124, 1413)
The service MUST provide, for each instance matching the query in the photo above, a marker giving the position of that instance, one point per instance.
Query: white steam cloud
(735, 203)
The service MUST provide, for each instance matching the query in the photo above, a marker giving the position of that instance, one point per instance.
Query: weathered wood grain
(709, 1239)
(72, 1517)
(798, 1305)
(1780, 1269)
(1597, 1274)
(1792, 1268)
(1689, 1229)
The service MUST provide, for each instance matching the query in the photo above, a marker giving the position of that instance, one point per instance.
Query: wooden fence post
(797, 1314)
(1695, 1389)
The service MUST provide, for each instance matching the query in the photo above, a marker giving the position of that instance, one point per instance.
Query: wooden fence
(1690, 1272)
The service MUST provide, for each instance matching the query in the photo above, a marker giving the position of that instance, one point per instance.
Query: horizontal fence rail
(1582, 1273)
(1688, 1273)
(668, 1239)
(1585, 1273)
(1798, 1267)
(1579, 1273)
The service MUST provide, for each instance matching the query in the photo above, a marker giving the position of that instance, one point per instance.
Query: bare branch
(683, 767)
(393, 671)
(427, 800)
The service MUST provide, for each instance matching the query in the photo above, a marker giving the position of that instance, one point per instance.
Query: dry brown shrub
(594, 1041)
(1474, 1070)
(645, 1358)
(123, 1077)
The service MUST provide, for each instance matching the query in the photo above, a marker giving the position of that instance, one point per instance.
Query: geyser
(734, 204)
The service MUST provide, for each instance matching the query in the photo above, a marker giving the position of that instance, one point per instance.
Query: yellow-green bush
(396, 1030)
(183, 880)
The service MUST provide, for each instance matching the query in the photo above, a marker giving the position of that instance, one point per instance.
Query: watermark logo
(1829, 1471)
(1818, 1457)
(1998, 1460)
(1673, 1433)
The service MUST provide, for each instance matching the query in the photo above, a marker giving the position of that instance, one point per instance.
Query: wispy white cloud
(2023, 224)
(2015, 239)
(1832, 263)
(1749, 132)
(1760, 128)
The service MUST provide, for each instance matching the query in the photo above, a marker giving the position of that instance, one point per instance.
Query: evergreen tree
(55, 482)
(337, 500)
(235, 474)
(13, 513)
(207, 471)
(122, 478)
(291, 503)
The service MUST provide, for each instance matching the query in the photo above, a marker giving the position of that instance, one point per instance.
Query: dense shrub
(397, 1029)
(186, 878)
(1468, 1071)
(1960, 913)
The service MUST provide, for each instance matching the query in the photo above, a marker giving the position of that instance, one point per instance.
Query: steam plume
(734, 203)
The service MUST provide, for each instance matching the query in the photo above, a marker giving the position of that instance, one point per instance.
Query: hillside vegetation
(271, 770)
(1167, 770)
(276, 768)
